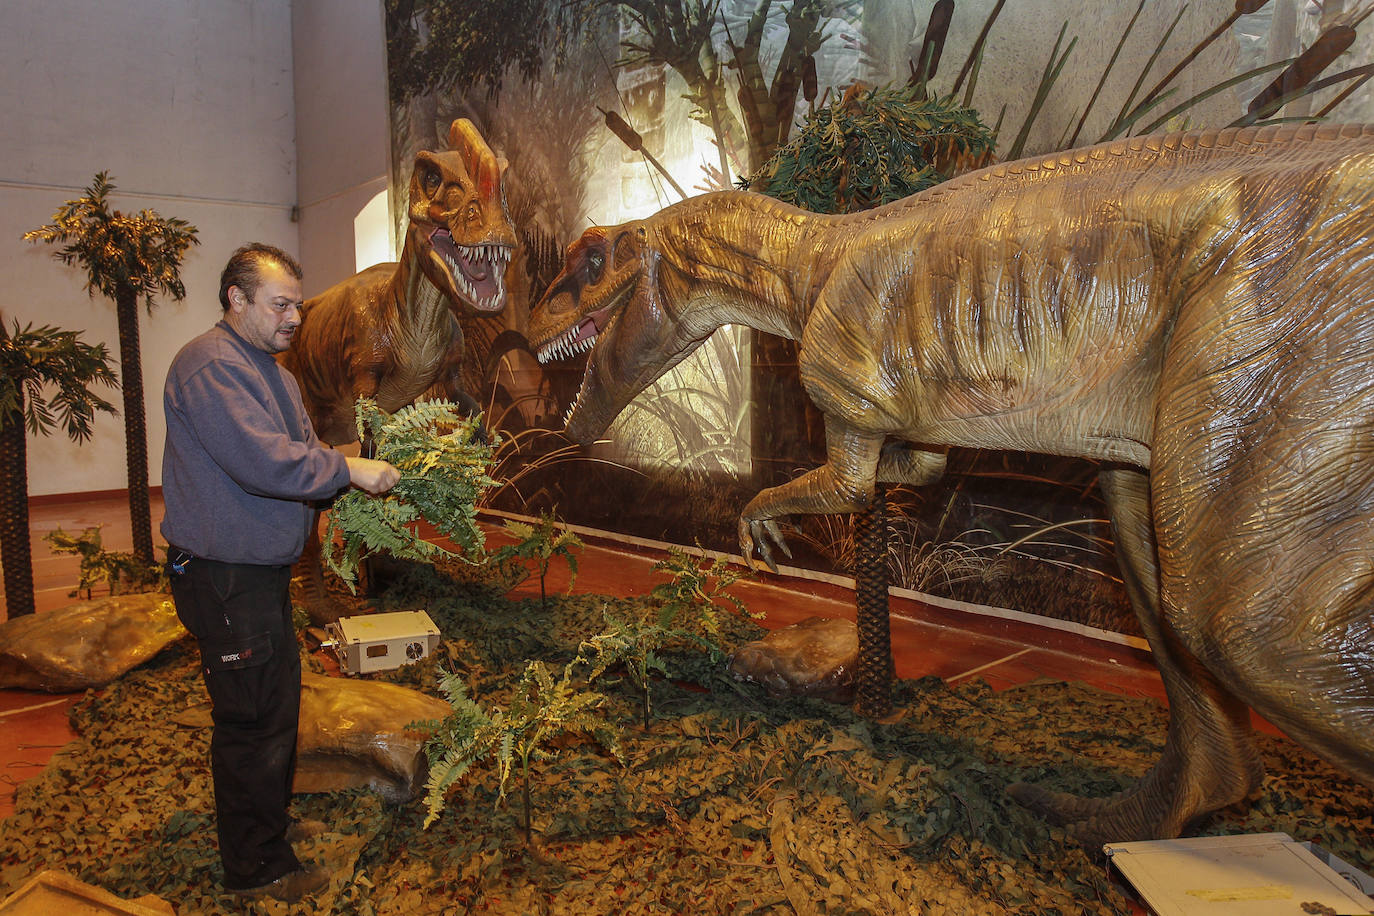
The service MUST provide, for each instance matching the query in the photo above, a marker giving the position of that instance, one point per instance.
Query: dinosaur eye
(596, 263)
(431, 181)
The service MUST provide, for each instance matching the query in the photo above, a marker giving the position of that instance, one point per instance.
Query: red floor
(925, 639)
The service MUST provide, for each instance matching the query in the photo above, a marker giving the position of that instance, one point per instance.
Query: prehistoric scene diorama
(1055, 308)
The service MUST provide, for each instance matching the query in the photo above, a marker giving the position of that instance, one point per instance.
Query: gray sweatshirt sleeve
(250, 439)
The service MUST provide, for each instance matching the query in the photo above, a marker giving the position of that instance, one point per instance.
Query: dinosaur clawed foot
(763, 534)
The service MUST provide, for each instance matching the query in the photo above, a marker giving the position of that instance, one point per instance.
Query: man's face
(269, 319)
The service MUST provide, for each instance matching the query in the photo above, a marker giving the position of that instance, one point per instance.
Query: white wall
(341, 129)
(189, 105)
(199, 109)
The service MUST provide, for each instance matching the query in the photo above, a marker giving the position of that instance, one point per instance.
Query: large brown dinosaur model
(1195, 310)
(391, 332)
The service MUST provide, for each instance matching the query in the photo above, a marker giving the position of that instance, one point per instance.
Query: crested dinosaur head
(459, 230)
(609, 300)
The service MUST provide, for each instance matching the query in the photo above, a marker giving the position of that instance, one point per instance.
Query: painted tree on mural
(32, 360)
(437, 45)
(127, 257)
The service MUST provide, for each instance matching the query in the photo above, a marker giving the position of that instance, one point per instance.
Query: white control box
(380, 642)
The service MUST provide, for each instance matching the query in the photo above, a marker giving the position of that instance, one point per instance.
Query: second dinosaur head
(608, 300)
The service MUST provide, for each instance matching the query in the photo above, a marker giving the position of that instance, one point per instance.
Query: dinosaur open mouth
(478, 270)
(577, 339)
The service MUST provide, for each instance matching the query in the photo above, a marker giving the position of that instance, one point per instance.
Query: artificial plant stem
(525, 793)
(1345, 94)
(647, 706)
(1189, 58)
(977, 50)
(1052, 68)
(1117, 125)
(1111, 62)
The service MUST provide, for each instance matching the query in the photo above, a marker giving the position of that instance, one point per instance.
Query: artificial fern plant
(540, 709)
(542, 542)
(443, 462)
(635, 644)
(694, 590)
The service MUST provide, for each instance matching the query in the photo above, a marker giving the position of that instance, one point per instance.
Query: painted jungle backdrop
(608, 110)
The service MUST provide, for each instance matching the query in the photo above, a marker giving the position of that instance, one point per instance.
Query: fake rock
(813, 658)
(353, 734)
(87, 644)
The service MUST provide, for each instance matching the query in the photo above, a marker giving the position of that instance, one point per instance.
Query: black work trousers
(240, 615)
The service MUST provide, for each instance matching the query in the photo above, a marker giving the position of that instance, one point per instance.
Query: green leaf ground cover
(732, 803)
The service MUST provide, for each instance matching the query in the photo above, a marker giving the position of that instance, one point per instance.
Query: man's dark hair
(244, 269)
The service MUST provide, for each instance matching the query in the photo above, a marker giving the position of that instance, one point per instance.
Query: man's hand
(376, 477)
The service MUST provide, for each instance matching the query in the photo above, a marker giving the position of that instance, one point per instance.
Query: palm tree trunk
(135, 423)
(14, 515)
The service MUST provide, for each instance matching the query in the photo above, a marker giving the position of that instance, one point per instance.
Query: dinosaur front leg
(843, 484)
(1208, 761)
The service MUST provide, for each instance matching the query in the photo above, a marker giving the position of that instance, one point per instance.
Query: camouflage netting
(732, 803)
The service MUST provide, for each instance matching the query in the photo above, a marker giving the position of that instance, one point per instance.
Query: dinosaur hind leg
(1208, 761)
(319, 605)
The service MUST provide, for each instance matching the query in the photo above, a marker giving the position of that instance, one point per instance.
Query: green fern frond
(444, 472)
(456, 742)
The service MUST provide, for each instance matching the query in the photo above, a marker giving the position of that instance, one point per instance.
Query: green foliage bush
(871, 147)
(123, 572)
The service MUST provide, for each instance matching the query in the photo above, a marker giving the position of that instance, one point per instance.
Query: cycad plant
(32, 359)
(127, 258)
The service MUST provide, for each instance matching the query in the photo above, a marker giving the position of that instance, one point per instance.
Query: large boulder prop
(353, 734)
(87, 644)
(816, 657)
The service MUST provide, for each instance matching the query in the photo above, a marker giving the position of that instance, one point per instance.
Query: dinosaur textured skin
(391, 332)
(1194, 310)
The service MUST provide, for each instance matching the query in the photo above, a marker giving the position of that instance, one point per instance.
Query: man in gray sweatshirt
(241, 469)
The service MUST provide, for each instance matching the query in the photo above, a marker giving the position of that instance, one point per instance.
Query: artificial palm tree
(31, 359)
(126, 258)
